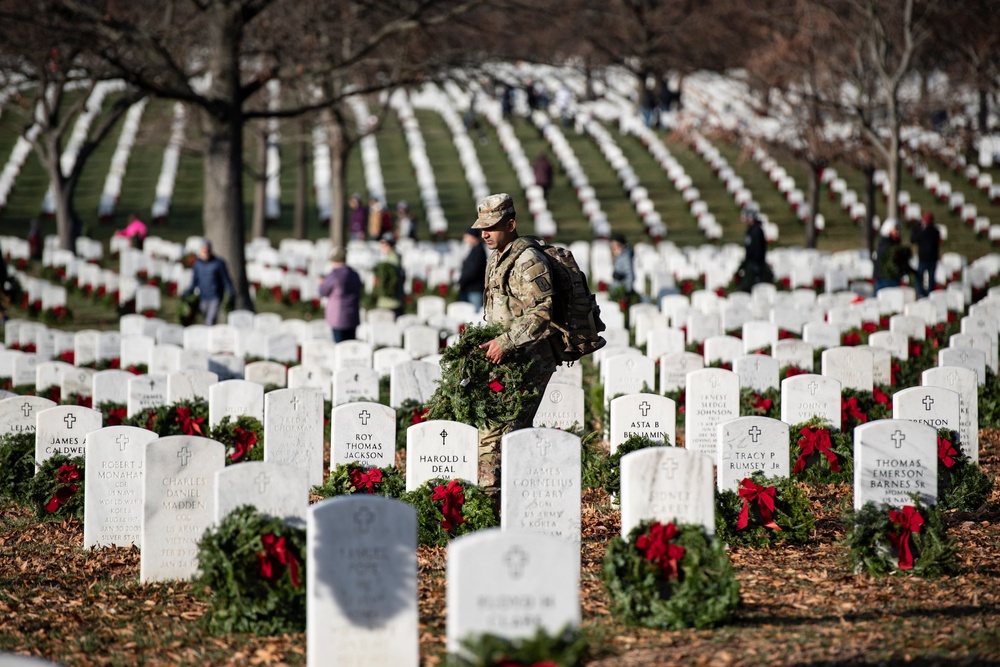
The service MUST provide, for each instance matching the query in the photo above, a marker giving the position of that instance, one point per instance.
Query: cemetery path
(801, 605)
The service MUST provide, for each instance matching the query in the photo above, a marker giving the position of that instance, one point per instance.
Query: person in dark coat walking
(892, 258)
(472, 278)
(754, 262)
(211, 280)
(927, 238)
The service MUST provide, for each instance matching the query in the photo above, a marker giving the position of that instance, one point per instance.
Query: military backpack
(576, 317)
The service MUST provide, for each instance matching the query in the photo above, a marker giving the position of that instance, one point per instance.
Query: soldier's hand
(494, 353)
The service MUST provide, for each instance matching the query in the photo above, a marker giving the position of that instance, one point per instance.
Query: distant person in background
(357, 217)
(406, 226)
(342, 289)
(135, 230)
(892, 258)
(211, 280)
(543, 172)
(472, 278)
(755, 244)
(35, 238)
(379, 219)
(927, 238)
(623, 275)
(394, 299)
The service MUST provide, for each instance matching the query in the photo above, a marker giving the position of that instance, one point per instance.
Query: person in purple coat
(342, 289)
(357, 217)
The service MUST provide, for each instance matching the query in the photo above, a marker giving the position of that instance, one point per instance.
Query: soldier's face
(498, 236)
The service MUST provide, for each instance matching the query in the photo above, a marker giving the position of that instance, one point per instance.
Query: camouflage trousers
(489, 439)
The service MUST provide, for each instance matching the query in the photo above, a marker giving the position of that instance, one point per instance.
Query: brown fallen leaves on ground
(801, 605)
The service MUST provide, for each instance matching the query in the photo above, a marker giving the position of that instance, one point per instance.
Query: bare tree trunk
(300, 217)
(983, 113)
(338, 182)
(815, 169)
(893, 167)
(869, 235)
(259, 220)
(223, 209)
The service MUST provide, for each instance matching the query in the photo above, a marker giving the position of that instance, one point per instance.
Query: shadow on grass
(956, 612)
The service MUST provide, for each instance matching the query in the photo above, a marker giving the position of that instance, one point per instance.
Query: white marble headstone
(441, 449)
(275, 490)
(293, 431)
(749, 444)
(806, 396)
(234, 399)
(363, 433)
(562, 406)
(113, 478)
(964, 382)
(355, 383)
(712, 397)
(649, 415)
(667, 484)
(892, 459)
(63, 429)
(18, 413)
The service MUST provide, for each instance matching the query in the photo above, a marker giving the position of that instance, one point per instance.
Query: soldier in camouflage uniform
(519, 296)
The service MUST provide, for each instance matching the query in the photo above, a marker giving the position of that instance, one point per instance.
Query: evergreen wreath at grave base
(114, 414)
(962, 484)
(568, 648)
(765, 403)
(56, 490)
(255, 569)
(243, 438)
(593, 458)
(679, 397)
(476, 511)
(181, 418)
(351, 477)
(704, 593)
(613, 465)
(818, 467)
(17, 464)
(789, 511)
(187, 310)
(410, 413)
(24, 390)
(860, 407)
(869, 540)
(989, 401)
(474, 391)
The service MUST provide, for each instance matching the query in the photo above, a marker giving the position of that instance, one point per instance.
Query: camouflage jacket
(519, 295)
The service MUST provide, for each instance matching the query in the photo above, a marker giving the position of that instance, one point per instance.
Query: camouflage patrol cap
(494, 210)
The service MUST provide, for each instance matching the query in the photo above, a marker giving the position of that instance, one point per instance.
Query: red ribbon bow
(761, 404)
(276, 553)
(419, 416)
(750, 491)
(908, 521)
(659, 551)
(795, 370)
(67, 477)
(365, 480)
(116, 416)
(869, 327)
(495, 386)
(852, 338)
(189, 425)
(452, 497)
(245, 440)
(851, 409)
(946, 452)
(881, 397)
(815, 440)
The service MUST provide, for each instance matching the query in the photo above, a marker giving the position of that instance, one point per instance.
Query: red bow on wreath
(762, 404)
(946, 452)
(365, 480)
(275, 554)
(851, 409)
(495, 386)
(67, 477)
(244, 441)
(659, 551)
(750, 491)
(909, 522)
(815, 440)
(881, 397)
(419, 416)
(452, 497)
(116, 416)
(189, 425)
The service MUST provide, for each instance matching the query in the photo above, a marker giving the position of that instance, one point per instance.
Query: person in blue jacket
(211, 279)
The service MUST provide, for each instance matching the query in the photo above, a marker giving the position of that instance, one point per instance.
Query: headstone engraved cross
(516, 560)
(295, 402)
(70, 420)
(813, 387)
(122, 441)
(364, 415)
(644, 408)
(262, 481)
(363, 519)
(928, 402)
(669, 467)
(754, 433)
(184, 455)
(26, 409)
(444, 437)
(899, 438)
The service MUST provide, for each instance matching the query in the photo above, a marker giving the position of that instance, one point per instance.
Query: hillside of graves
(739, 377)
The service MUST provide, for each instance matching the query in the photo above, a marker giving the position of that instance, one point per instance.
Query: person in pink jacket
(342, 289)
